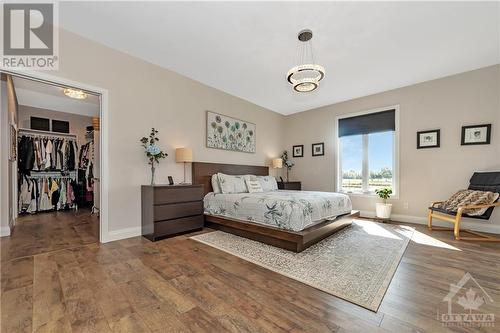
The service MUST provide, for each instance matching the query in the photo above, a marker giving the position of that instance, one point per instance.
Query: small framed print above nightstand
(294, 186)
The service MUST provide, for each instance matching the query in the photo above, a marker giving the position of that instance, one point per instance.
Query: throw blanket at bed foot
(356, 264)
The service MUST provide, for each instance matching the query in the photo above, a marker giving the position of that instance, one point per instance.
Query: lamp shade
(277, 163)
(183, 155)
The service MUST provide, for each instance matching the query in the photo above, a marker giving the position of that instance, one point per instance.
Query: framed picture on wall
(428, 139)
(298, 151)
(476, 135)
(318, 149)
(224, 132)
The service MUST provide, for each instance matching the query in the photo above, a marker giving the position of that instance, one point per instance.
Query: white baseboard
(122, 234)
(485, 226)
(4, 231)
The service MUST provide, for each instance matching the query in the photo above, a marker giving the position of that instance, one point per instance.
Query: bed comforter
(291, 210)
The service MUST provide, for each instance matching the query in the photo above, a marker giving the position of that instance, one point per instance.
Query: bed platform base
(296, 241)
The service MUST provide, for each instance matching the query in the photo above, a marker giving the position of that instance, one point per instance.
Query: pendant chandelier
(305, 77)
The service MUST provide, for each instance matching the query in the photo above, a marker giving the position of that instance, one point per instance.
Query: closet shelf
(46, 134)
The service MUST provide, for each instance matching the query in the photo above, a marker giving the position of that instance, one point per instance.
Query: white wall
(425, 174)
(77, 123)
(143, 95)
(4, 162)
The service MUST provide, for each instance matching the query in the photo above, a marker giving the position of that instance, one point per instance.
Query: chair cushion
(485, 216)
(485, 181)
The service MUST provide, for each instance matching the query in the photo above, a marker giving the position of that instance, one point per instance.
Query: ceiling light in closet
(305, 77)
(74, 93)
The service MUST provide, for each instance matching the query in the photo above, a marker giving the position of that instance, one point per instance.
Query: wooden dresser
(169, 210)
(296, 186)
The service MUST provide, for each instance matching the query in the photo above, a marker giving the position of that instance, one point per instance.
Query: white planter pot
(383, 210)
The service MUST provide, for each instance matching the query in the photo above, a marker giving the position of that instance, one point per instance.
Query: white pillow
(268, 183)
(215, 184)
(232, 184)
(253, 186)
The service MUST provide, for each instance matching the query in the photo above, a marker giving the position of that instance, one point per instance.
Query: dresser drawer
(169, 211)
(176, 226)
(164, 195)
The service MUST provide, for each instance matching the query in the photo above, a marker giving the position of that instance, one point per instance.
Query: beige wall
(4, 162)
(77, 123)
(143, 95)
(8, 116)
(426, 174)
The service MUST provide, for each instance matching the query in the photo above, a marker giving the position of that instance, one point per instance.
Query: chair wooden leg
(429, 220)
(456, 229)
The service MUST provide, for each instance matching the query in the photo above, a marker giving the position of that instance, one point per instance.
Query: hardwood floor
(179, 285)
(51, 231)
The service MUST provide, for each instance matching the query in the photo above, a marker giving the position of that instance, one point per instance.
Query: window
(367, 152)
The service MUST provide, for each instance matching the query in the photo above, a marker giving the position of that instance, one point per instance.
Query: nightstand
(296, 186)
(169, 210)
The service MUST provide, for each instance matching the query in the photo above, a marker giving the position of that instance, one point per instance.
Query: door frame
(103, 133)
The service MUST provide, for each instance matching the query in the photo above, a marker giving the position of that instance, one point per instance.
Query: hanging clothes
(40, 193)
(85, 190)
(44, 153)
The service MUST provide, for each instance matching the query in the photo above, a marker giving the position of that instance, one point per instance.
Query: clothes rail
(46, 134)
(53, 174)
(45, 176)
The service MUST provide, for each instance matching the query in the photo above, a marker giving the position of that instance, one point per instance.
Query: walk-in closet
(53, 166)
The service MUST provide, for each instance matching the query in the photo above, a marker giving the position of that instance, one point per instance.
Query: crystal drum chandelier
(305, 77)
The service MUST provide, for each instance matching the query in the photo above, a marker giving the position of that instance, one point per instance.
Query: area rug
(356, 264)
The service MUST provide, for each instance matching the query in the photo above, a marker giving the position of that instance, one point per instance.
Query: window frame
(365, 171)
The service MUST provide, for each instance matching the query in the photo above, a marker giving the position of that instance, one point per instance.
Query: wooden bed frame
(295, 241)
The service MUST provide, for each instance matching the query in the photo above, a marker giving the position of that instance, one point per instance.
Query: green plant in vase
(383, 210)
(153, 152)
(287, 163)
(384, 193)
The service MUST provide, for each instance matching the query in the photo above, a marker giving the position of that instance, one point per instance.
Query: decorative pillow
(254, 186)
(232, 184)
(470, 197)
(268, 183)
(215, 184)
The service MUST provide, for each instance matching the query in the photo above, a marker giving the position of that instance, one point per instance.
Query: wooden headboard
(202, 172)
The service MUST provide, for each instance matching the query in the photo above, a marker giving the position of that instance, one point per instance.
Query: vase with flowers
(153, 152)
(287, 163)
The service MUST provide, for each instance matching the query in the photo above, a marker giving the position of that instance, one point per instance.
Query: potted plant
(153, 152)
(383, 209)
(288, 164)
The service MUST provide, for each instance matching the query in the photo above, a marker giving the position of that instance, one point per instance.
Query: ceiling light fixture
(306, 76)
(74, 93)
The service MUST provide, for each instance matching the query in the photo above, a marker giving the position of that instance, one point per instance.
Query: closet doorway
(54, 166)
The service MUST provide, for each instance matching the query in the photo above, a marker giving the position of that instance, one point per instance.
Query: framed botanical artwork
(298, 151)
(13, 143)
(318, 149)
(476, 135)
(428, 139)
(228, 133)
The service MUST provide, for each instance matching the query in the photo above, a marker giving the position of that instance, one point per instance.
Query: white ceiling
(246, 48)
(51, 97)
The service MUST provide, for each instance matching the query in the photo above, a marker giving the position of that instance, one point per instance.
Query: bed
(293, 220)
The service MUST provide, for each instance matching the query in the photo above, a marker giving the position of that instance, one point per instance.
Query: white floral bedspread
(292, 210)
